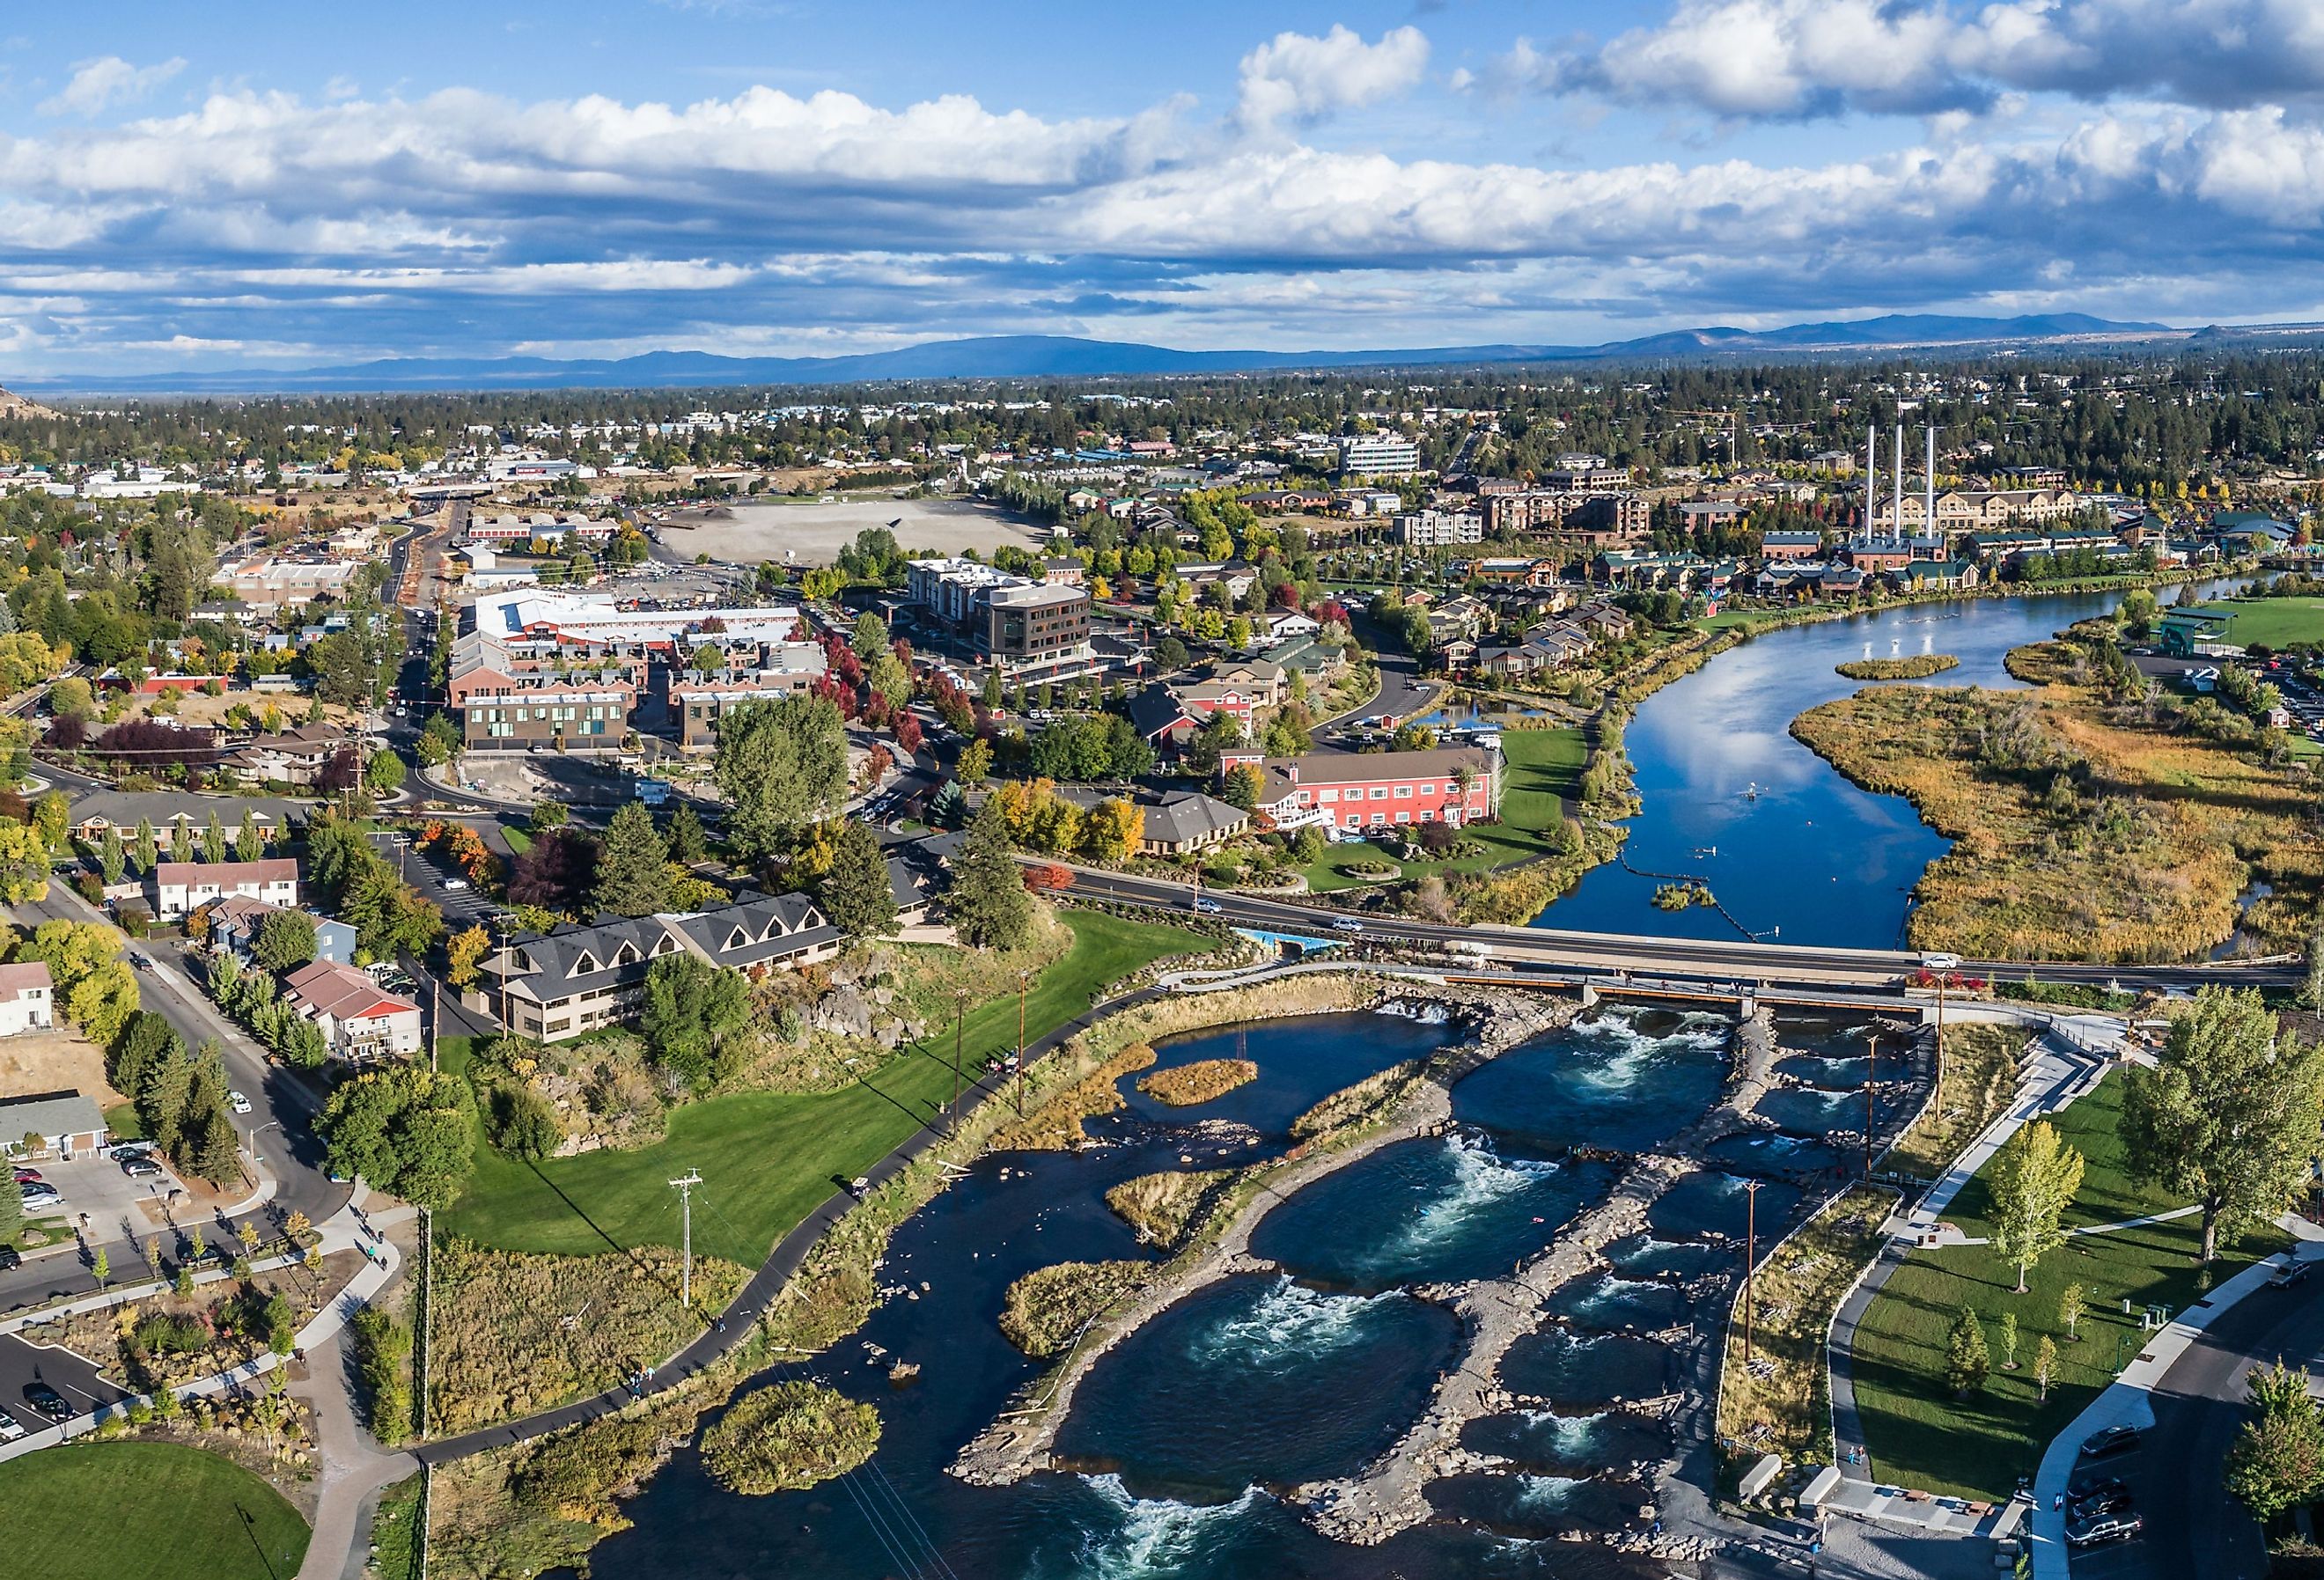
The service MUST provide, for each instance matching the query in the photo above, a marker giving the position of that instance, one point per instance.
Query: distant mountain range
(1021, 356)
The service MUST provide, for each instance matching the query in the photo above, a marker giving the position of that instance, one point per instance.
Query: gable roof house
(359, 1019)
(575, 978)
(234, 922)
(178, 819)
(26, 1001)
(179, 887)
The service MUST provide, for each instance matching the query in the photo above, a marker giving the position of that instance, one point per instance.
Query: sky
(237, 184)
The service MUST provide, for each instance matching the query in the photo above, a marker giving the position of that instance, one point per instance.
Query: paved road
(1714, 960)
(280, 1124)
(2192, 1526)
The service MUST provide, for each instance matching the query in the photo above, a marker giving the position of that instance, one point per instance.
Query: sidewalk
(342, 1232)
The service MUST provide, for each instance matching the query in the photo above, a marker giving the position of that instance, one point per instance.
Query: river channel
(1793, 851)
(1185, 1438)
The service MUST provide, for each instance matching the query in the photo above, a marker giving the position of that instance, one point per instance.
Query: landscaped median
(1918, 1432)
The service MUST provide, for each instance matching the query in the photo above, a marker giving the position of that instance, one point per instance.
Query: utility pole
(1750, 1260)
(959, 1018)
(434, 1019)
(685, 1187)
(1023, 978)
(1871, 1079)
(1938, 1104)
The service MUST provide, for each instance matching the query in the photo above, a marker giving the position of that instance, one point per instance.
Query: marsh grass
(1048, 1308)
(1186, 1084)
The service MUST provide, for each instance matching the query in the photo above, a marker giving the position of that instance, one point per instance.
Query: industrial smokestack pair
(1872, 485)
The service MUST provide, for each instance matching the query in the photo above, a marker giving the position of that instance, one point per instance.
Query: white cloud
(1793, 58)
(99, 84)
(1296, 77)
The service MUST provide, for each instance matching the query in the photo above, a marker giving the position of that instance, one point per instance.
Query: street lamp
(1750, 1260)
(1024, 979)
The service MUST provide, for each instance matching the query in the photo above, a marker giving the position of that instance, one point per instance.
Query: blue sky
(275, 184)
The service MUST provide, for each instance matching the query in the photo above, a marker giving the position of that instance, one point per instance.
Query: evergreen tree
(855, 892)
(213, 840)
(987, 902)
(688, 844)
(633, 866)
(1967, 1359)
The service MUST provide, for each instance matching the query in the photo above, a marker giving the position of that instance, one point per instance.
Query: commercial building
(181, 887)
(554, 985)
(1029, 629)
(699, 701)
(180, 821)
(1379, 455)
(360, 1020)
(507, 696)
(594, 622)
(1354, 793)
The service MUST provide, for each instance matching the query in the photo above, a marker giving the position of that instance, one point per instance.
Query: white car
(237, 1102)
(1347, 924)
(455, 885)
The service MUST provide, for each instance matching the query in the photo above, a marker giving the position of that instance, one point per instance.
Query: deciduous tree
(2276, 1462)
(2035, 1181)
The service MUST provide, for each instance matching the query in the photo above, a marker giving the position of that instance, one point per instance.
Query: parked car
(455, 885)
(11, 1258)
(140, 1166)
(2091, 1487)
(49, 1402)
(28, 1176)
(237, 1102)
(11, 1428)
(2103, 1528)
(2111, 1440)
(2289, 1274)
(40, 1198)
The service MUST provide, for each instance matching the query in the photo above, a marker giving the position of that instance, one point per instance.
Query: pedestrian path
(1945, 1235)
(350, 1229)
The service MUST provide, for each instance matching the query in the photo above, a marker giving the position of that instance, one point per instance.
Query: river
(1793, 851)
(1184, 1438)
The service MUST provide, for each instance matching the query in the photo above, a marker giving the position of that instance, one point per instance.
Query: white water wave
(1634, 1049)
(1569, 1435)
(1291, 1320)
(1424, 1013)
(1154, 1537)
(1482, 1179)
(1548, 1492)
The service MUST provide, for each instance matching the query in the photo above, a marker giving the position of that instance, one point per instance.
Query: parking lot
(95, 1186)
(22, 1364)
(463, 907)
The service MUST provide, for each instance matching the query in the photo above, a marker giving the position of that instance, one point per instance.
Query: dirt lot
(751, 531)
(194, 708)
(58, 1060)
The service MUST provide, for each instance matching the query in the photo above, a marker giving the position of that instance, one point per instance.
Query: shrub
(1047, 1308)
(1184, 1085)
(161, 1334)
(788, 1438)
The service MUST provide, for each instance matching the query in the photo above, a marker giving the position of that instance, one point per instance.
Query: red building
(1359, 791)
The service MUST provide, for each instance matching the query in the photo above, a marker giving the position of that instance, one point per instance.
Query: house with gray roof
(179, 819)
(577, 977)
(70, 1123)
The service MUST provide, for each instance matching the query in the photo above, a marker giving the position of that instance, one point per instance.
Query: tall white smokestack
(1896, 458)
(1929, 487)
(1871, 480)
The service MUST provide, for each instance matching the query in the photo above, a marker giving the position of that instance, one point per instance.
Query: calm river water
(1795, 852)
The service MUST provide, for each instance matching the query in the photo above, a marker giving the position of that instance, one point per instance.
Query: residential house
(1925, 575)
(178, 820)
(360, 1020)
(26, 1000)
(234, 921)
(1162, 720)
(296, 756)
(575, 978)
(182, 887)
(67, 1122)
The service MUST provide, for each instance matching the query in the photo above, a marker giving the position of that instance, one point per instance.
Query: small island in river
(1919, 667)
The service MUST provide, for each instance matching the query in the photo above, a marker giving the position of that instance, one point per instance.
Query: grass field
(1544, 770)
(2271, 622)
(1918, 1434)
(767, 1159)
(143, 1511)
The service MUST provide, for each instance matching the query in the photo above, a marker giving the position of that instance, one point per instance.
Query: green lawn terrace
(2271, 623)
(767, 1159)
(143, 1511)
(1918, 1434)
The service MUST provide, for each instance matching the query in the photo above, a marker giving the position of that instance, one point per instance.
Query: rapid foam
(1154, 1537)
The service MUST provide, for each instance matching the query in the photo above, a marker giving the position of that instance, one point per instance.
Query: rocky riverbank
(1389, 1495)
(1021, 1439)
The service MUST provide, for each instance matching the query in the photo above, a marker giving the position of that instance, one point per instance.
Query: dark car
(141, 1167)
(2085, 1489)
(2095, 1529)
(10, 1258)
(2111, 1440)
(49, 1401)
(2098, 1503)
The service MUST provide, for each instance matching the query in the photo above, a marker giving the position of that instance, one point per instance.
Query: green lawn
(1543, 773)
(2273, 622)
(143, 1511)
(395, 1532)
(122, 1122)
(1919, 1436)
(519, 840)
(767, 1160)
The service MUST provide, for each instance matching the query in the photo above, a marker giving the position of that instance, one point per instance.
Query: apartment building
(1432, 529)
(181, 887)
(704, 696)
(1379, 455)
(360, 1020)
(554, 985)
